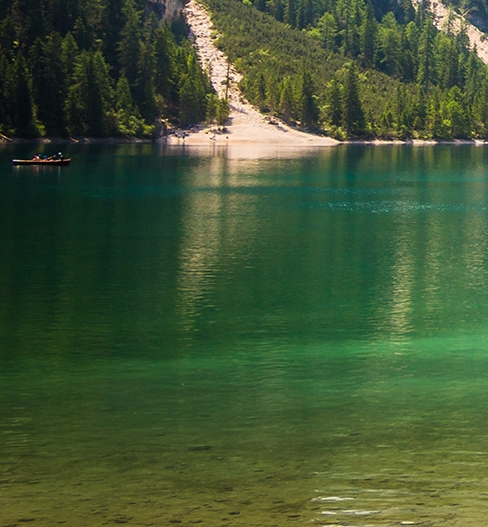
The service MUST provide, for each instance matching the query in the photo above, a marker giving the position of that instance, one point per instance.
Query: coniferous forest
(356, 68)
(347, 68)
(96, 68)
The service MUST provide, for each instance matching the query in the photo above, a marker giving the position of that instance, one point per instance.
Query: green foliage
(223, 111)
(373, 68)
(352, 110)
(94, 67)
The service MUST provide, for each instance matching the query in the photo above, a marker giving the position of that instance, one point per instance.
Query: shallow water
(233, 342)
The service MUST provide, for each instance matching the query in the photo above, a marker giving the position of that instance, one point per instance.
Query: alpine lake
(200, 337)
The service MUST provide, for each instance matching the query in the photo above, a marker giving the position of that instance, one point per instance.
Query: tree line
(95, 68)
(354, 68)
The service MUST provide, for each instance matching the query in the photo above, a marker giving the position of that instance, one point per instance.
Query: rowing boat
(55, 162)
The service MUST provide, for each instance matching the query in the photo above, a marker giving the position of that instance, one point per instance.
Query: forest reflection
(351, 242)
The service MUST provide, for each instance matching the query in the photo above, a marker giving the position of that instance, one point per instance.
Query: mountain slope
(477, 38)
(354, 75)
(246, 124)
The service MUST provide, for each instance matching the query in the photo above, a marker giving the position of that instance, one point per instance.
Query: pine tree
(193, 90)
(4, 76)
(261, 91)
(307, 105)
(327, 27)
(353, 115)
(211, 108)
(69, 52)
(408, 57)
(223, 111)
(457, 114)
(23, 118)
(480, 108)
(300, 18)
(345, 12)
(98, 93)
(89, 96)
(111, 27)
(434, 117)
(290, 12)
(277, 9)
(82, 35)
(368, 37)
(287, 102)
(473, 73)
(334, 103)
(389, 45)
(406, 12)
(425, 74)
(147, 102)
(165, 79)
(49, 83)
(273, 96)
(130, 48)
(402, 112)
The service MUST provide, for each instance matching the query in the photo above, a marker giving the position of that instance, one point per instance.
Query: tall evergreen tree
(287, 101)
(49, 82)
(327, 29)
(334, 103)
(406, 12)
(165, 79)
(89, 96)
(480, 108)
(130, 47)
(345, 11)
(353, 114)
(426, 62)
(69, 53)
(23, 118)
(368, 37)
(307, 104)
(389, 45)
(290, 12)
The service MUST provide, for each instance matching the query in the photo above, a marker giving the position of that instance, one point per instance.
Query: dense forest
(355, 68)
(347, 68)
(95, 68)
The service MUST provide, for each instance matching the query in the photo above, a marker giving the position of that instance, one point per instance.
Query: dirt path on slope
(246, 125)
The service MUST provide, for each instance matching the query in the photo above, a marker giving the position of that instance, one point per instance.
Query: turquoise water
(233, 342)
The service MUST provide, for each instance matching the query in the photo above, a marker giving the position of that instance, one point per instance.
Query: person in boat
(56, 157)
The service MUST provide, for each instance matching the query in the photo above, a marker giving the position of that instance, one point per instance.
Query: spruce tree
(368, 37)
(307, 105)
(334, 103)
(23, 117)
(287, 102)
(130, 48)
(327, 27)
(353, 115)
(425, 74)
(290, 12)
(165, 78)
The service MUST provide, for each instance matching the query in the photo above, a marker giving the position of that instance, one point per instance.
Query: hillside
(96, 68)
(444, 15)
(245, 124)
(342, 70)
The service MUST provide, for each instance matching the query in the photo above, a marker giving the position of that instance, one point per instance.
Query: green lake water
(220, 341)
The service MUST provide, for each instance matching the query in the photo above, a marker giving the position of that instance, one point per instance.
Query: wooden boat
(50, 162)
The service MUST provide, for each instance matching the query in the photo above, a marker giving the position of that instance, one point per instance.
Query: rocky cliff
(167, 9)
